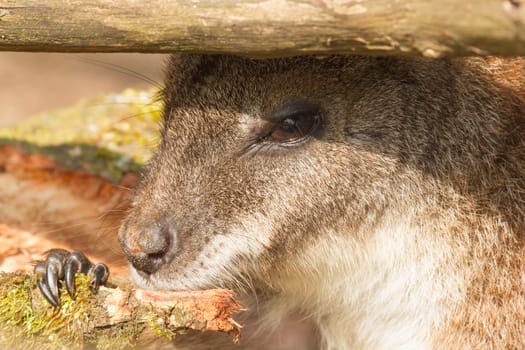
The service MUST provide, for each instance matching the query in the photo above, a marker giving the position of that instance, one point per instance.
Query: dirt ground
(34, 82)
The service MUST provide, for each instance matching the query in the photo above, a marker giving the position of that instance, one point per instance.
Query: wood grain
(266, 28)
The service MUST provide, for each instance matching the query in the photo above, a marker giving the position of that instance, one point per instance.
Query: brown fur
(433, 148)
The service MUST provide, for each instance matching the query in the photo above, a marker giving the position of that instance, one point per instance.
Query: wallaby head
(365, 192)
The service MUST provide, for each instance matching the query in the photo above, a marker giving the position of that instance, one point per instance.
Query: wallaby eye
(293, 129)
(293, 123)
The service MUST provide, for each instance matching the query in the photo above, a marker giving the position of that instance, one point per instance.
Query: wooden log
(262, 28)
(113, 318)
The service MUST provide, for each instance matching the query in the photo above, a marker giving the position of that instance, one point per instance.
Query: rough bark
(266, 28)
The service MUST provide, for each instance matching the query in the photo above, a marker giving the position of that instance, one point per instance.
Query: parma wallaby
(383, 199)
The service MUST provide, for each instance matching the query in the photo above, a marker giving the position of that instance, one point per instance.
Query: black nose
(146, 248)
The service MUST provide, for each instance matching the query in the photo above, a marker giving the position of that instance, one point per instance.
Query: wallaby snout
(147, 249)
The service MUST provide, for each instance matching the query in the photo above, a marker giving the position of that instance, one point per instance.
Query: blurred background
(35, 82)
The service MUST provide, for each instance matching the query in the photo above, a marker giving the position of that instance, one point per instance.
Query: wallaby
(381, 198)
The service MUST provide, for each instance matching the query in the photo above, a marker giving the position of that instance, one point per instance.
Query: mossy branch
(113, 318)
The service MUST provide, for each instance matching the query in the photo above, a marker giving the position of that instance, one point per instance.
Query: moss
(118, 337)
(157, 324)
(108, 135)
(27, 322)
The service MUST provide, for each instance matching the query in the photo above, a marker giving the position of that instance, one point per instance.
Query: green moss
(108, 135)
(26, 322)
(29, 322)
(157, 324)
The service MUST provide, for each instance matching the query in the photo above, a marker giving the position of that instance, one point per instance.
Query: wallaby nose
(146, 248)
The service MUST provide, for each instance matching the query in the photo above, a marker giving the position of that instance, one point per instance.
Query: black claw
(61, 265)
(100, 273)
(72, 267)
(47, 294)
(75, 263)
(53, 273)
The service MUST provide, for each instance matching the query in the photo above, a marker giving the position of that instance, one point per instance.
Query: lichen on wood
(113, 318)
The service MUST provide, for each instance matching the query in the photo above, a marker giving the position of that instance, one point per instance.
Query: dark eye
(294, 124)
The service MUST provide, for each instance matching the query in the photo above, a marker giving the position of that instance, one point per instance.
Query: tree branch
(266, 28)
(112, 319)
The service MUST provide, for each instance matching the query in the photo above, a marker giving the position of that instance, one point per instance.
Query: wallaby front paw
(62, 265)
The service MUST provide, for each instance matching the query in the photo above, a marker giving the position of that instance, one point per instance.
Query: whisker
(120, 69)
(134, 115)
